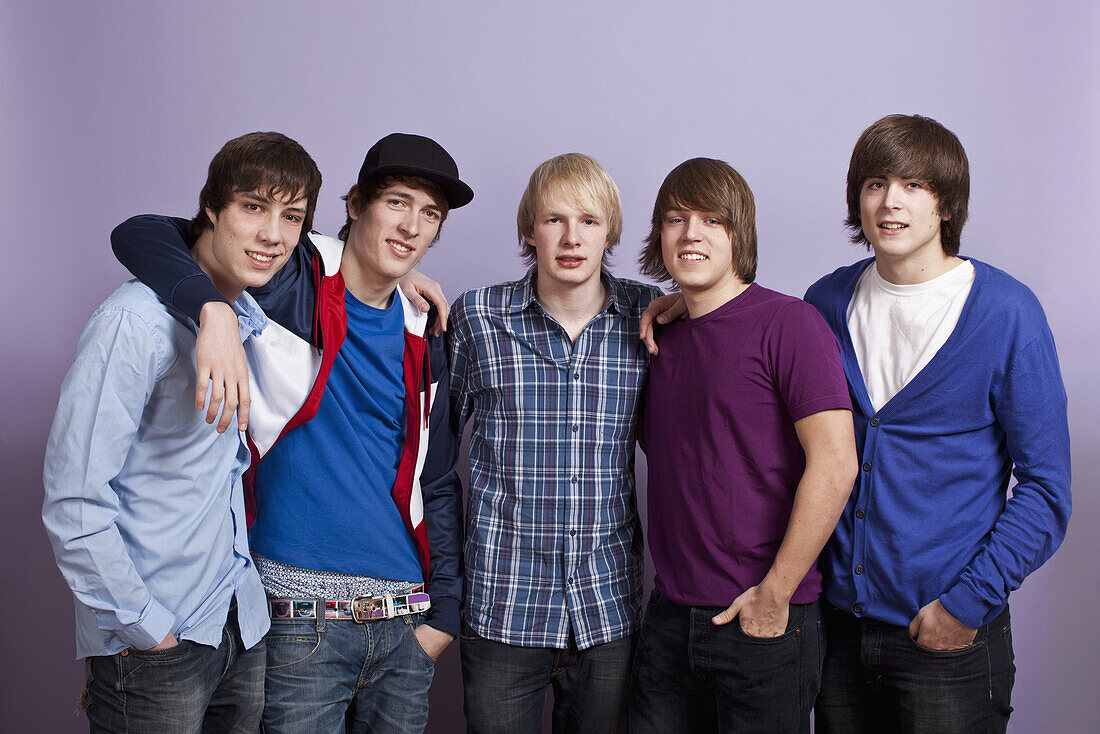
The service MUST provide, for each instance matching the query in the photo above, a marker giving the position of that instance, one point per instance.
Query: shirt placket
(860, 531)
(580, 526)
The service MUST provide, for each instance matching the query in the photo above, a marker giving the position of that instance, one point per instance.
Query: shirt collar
(524, 293)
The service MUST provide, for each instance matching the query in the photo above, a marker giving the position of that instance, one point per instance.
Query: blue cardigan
(929, 516)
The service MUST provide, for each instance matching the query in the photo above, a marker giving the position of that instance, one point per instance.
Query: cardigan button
(866, 466)
(859, 570)
(860, 514)
(874, 422)
(857, 608)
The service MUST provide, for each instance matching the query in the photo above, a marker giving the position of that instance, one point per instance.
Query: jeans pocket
(796, 617)
(290, 643)
(735, 625)
(167, 655)
(957, 652)
(420, 648)
(468, 633)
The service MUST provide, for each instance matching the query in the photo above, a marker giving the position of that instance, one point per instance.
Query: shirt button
(576, 428)
(574, 479)
(576, 375)
(859, 570)
(866, 466)
(860, 514)
(857, 608)
(874, 422)
(570, 580)
(572, 532)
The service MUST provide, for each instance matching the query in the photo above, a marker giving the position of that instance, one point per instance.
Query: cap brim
(457, 193)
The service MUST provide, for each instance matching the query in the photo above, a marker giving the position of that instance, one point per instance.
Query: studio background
(115, 108)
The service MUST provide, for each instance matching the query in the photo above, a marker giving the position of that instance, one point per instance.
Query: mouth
(400, 247)
(570, 261)
(259, 258)
(691, 255)
(892, 226)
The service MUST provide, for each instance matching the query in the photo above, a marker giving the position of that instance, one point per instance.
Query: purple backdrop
(114, 109)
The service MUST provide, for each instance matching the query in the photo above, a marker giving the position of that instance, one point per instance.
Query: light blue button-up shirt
(144, 505)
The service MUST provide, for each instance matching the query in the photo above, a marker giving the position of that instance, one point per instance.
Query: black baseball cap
(416, 155)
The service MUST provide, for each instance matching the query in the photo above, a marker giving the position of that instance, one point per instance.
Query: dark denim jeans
(505, 686)
(691, 675)
(186, 688)
(323, 675)
(878, 679)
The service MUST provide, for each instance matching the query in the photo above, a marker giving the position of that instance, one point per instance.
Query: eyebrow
(583, 214)
(259, 199)
(405, 196)
(708, 213)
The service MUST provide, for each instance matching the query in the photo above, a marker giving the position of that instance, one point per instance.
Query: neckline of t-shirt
(365, 310)
(963, 271)
(733, 303)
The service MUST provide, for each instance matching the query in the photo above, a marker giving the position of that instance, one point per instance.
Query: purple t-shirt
(724, 458)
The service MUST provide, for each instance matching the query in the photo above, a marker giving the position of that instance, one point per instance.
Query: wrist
(775, 591)
(215, 310)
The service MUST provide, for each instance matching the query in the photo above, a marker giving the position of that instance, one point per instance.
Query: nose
(572, 235)
(691, 229)
(410, 223)
(892, 199)
(270, 232)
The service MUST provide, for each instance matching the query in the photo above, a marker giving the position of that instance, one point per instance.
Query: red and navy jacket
(288, 370)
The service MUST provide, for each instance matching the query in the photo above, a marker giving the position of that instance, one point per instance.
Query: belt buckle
(360, 605)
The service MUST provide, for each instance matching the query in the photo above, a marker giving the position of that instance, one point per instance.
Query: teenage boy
(955, 386)
(748, 437)
(550, 372)
(356, 504)
(143, 505)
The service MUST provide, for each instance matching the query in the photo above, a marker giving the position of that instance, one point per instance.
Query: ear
(946, 217)
(529, 239)
(353, 202)
(212, 216)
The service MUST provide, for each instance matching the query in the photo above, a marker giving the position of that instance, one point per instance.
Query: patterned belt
(360, 609)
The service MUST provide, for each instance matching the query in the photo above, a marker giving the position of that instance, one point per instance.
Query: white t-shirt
(897, 329)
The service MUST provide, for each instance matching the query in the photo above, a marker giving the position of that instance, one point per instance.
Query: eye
(253, 206)
(914, 185)
(873, 185)
(712, 221)
(591, 222)
(293, 218)
(552, 220)
(431, 214)
(674, 220)
(396, 203)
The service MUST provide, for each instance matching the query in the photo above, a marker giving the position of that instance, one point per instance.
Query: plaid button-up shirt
(553, 540)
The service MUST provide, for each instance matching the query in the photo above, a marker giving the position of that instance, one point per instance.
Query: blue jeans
(323, 675)
(505, 686)
(691, 675)
(186, 688)
(878, 679)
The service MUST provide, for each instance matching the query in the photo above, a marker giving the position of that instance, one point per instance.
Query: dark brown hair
(361, 195)
(270, 163)
(913, 147)
(707, 185)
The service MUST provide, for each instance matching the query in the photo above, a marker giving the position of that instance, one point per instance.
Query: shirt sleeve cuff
(150, 629)
(965, 606)
(191, 294)
(443, 615)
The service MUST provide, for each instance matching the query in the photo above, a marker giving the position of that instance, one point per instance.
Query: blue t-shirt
(323, 492)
